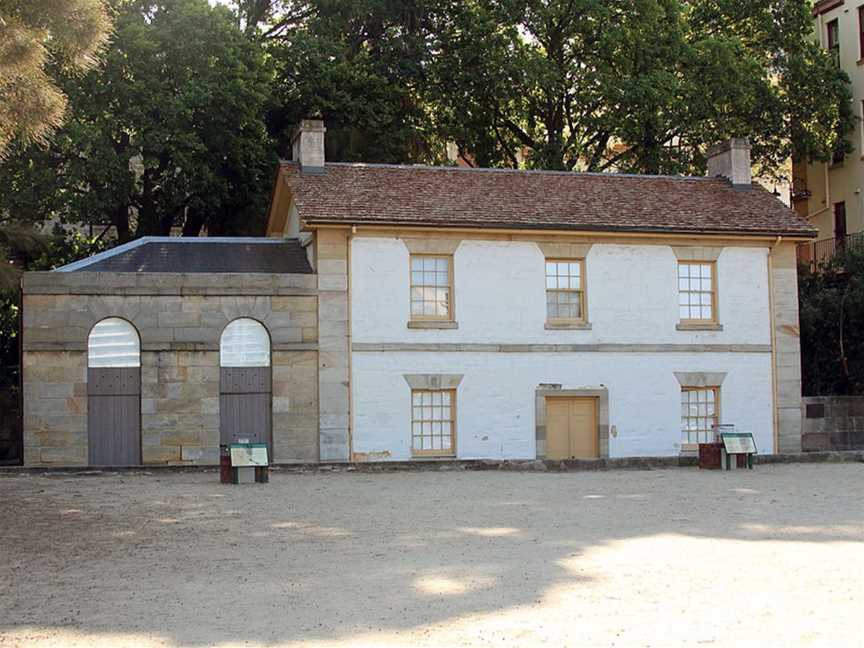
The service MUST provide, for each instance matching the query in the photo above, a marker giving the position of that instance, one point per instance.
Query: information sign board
(738, 443)
(252, 454)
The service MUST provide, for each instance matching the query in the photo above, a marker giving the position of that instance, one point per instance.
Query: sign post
(735, 444)
(249, 463)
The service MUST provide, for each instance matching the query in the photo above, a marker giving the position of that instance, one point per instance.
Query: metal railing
(819, 252)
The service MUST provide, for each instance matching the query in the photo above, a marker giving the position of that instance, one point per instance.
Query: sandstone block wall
(832, 423)
(331, 257)
(55, 407)
(787, 348)
(180, 319)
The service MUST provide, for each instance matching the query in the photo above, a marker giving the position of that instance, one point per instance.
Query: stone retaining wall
(180, 319)
(832, 423)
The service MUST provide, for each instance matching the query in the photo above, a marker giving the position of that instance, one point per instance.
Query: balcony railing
(819, 252)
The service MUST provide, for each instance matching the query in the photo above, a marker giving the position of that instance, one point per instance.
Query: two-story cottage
(443, 313)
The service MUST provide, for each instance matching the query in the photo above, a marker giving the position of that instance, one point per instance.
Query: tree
(38, 38)
(169, 132)
(831, 299)
(270, 19)
(17, 243)
(361, 66)
(634, 85)
(32, 252)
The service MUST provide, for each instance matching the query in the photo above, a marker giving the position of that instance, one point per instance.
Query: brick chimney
(731, 160)
(308, 146)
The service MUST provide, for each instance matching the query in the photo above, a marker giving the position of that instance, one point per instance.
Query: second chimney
(308, 146)
(731, 160)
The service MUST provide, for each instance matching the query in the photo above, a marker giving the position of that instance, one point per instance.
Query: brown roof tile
(454, 197)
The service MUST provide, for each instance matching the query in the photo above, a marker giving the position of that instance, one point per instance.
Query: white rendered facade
(631, 345)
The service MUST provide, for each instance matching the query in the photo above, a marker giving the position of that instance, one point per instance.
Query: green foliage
(635, 85)
(169, 132)
(17, 243)
(36, 35)
(35, 252)
(832, 337)
(361, 66)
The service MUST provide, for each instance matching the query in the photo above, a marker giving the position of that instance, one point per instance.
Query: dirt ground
(773, 557)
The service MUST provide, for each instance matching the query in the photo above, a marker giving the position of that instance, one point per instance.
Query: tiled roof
(455, 197)
(175, 254)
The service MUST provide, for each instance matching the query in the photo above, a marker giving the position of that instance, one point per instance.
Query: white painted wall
(500, 298)
(495, 400)
(500, 295)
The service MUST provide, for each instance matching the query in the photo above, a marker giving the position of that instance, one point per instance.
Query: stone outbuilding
(157, 350)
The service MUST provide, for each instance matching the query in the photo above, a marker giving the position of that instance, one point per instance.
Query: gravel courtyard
(773, 557)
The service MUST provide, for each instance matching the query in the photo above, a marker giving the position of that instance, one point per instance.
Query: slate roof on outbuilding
(539, 200)
(199, 255)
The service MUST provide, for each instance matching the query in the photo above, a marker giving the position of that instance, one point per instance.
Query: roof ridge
(442, 168)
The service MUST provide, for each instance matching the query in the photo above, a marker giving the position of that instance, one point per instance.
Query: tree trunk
(193, 223)
(120, 221)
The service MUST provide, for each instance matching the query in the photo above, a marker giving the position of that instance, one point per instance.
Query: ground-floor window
(433, 422)
(700, 408)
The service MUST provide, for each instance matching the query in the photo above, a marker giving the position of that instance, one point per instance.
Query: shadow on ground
(185, 560)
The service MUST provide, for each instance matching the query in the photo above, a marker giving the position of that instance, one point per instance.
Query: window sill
(432, 324)
(861, 61)
(432, 457)
(699, 327)
(568, 326)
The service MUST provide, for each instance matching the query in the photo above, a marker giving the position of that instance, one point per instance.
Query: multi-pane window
(696, 291)
(433, 422)
(699, 414)
(431, 287)
(565, 294)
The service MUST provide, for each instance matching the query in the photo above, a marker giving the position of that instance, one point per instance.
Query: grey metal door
(114, 416)
(245, 405)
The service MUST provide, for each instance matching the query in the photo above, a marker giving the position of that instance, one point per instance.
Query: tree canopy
(629, 85)
(635, 85)
(169, 131)
(181, 124)
(38, 38)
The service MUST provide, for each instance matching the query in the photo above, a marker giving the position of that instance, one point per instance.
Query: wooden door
(114, 416)
(571, 428)
(245, 405)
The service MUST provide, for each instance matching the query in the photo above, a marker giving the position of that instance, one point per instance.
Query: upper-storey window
(565, 292)
(833, 38)
(697, 291)
(431, 287)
